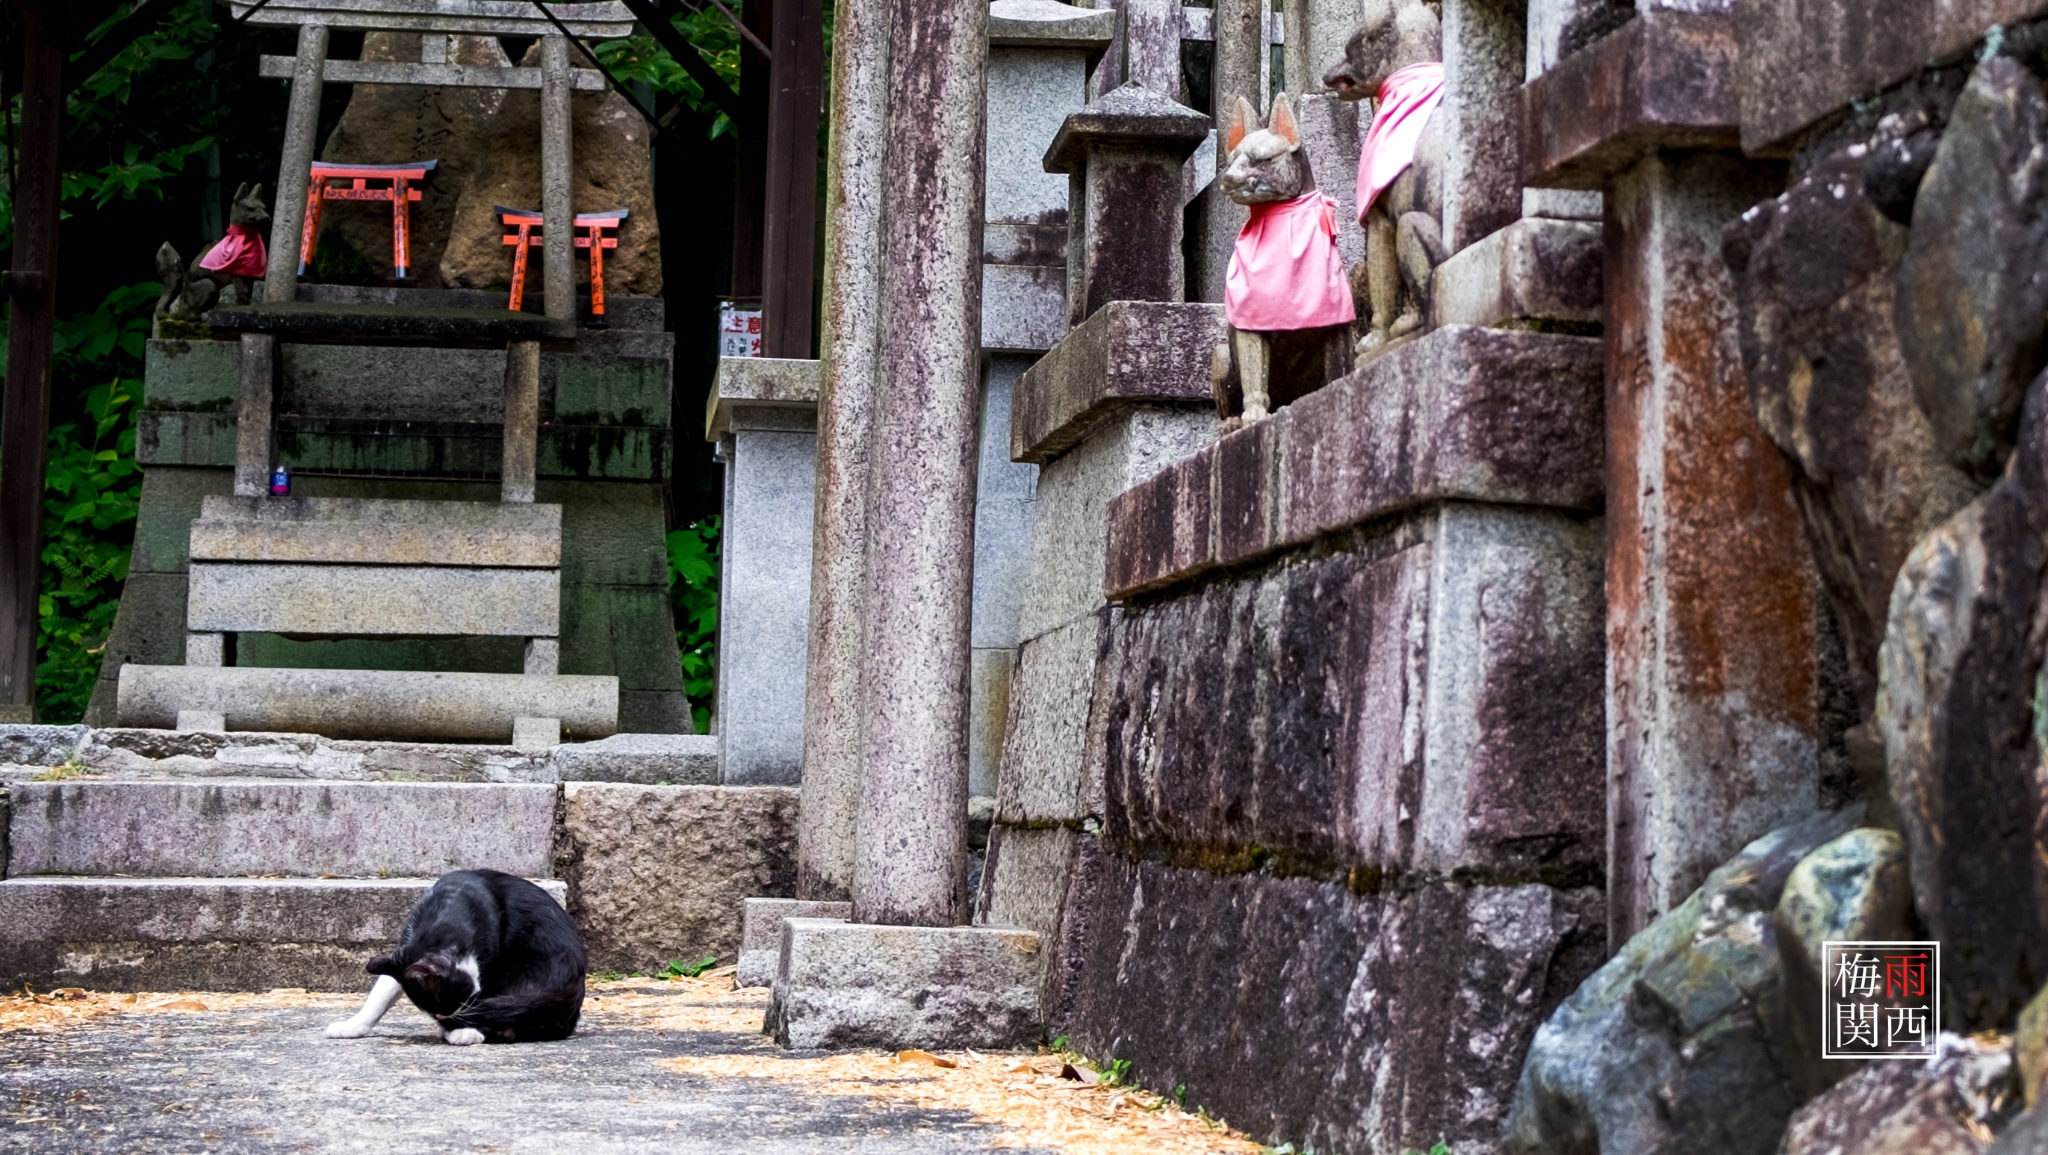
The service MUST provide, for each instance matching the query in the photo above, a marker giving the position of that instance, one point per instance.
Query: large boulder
(1815, 270)
(1852, 889)
(1951, 1104)
(1672, 1047)
(1972, 306)
(1957, 711)
(613, 170)
(397, 123)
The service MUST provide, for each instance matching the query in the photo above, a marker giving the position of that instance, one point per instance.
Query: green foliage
(693, 591)
(678, 969)
(91, 489)
(1117, 1073)
(638, 59)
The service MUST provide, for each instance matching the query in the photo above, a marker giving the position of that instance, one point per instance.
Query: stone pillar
(910, 831)
(1125, 156)
(1483, 64)
(255, 396)
(517, 475)
(763, 418)
(1240, 71)
(1713, 714)
(557, 173)
(294, 168)
(1713, 707)
(849, 332)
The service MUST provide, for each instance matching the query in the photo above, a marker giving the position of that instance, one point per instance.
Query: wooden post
(557, 171)
(750, 171)
(301, 130)
(25, 412)
(790, 209)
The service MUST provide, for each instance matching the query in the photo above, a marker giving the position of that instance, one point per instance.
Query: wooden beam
(796, 77)
(750, 168)
(31, 284)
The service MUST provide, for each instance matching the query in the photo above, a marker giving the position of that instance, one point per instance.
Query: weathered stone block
(991, 674)
(1023, 307)
(368, 703)
(202, 934)
(1558, 29)
(626, 632)
(1665, 79)
(842, 984)
(1400, 1017)
(1416, 744)
(372, 532)
(1949, 1105)
(1798, 63)
(1070, 525)
(1128, 352)
(418, 383)
(642, 759)
(1025, 882)
(171, 499)
(190, 439)
(1464, 413)
(759, 383)
(139, 753)
(764, 599)
(211, 721)
(659, 872)
(190, 376)
(1535, 269)
(213, 829)
(32, 745)
(613, 532)
(345, 600)
(1045, 753)
(761, 933)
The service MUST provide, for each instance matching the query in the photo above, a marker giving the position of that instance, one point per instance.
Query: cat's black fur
(530, 962)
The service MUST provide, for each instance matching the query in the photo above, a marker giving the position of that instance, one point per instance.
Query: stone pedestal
(761, 922)
(763, 417)
(1125, 157)
(843, 984)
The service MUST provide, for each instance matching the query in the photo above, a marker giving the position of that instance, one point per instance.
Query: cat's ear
(1284, 126)
(383, 964)
(1244, 121)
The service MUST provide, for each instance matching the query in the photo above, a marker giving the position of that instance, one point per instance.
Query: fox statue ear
(256, 190)
(241, 190)
(383, 964)
(1244, 121)
(1283, 120)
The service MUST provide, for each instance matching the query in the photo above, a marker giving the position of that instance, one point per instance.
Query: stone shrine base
(761, 922)
(843, 984)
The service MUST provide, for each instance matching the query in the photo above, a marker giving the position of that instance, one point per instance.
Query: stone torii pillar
(905, 972)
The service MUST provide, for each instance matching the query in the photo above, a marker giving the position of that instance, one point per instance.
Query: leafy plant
(693, 590)
(92, 488)
(1117, 1073)
(678, 969)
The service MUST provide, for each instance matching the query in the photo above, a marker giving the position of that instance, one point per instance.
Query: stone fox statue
(1285, 297)
(1396, 58)
(221, 275)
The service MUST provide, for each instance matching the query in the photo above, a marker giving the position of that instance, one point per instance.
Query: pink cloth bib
(239, 254)
(1285, 272)
(1405, 102)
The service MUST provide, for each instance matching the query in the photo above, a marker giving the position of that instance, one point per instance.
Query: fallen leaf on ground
(178, 1005)
(924, 1057)
(1078, 1074)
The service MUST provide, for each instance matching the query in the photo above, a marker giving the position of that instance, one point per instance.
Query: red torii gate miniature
(400, 191)
(591, 226)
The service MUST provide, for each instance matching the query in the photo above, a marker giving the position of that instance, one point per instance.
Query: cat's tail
(531, 1017)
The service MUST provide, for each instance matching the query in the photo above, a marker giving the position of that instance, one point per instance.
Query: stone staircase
(212, 884)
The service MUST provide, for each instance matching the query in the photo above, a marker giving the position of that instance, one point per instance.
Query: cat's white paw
(463, 1037)
(348, 1029)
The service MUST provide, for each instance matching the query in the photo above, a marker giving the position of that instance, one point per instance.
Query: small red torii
(596, 232)
(398, 187)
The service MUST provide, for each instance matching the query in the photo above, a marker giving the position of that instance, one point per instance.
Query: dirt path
(677, 1067)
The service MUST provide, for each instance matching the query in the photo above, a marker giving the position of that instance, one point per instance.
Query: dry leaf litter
(1040, 1101)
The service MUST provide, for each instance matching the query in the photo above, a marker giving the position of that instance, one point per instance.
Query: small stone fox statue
(221, 275)
(1285, 296)
(1396, 57)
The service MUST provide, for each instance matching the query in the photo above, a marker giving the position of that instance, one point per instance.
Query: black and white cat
(489, 955)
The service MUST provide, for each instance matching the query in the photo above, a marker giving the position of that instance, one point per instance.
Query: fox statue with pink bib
(1285, 295)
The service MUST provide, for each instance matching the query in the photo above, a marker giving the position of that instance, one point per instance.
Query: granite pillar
(557, 170)
(294, 169)
(834, 693)
(1713, 706)
(910, 829)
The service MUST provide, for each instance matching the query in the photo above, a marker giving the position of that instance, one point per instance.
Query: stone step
(359, 531)
(202, 933)
(434, 707)
(304, 829)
